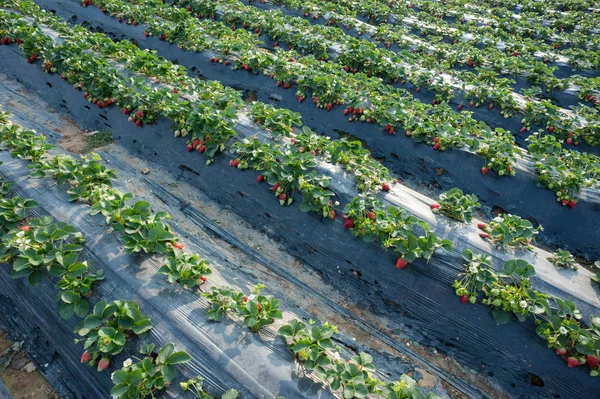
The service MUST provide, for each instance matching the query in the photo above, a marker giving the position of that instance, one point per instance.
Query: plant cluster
(509, 292)
(456, 205)
(510, 230)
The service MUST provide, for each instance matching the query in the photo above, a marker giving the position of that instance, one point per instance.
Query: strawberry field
(224, 198)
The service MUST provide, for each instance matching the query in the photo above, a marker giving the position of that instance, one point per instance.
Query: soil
(19, 374)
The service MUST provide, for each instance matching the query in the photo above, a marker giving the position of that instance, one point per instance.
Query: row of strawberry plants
(556, 121)
(409, 244)
(359, 55)
(36, 245)
(276, 121)
(109, 324)
(420, 121)
(435, 54)
(530, 28)
(509, 293)
(311, 345)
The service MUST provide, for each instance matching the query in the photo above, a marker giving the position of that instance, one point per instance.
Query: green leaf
(119, 390)
(164, 353)
(178, 358)
(36, 277)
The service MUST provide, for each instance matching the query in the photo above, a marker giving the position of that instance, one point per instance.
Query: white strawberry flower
(473, 269)
(563, 330)
(337, 203)
(127, 362)
(523, 304)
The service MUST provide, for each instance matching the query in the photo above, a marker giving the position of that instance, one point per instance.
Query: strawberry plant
(83, 176)
(456, 205)
(149, 375)
(23, 144)
(194, 386)
(564, 259)
(310, 344)
(258, 310)
(14, 210)
(144, 231)
(72, 288)
(44, 246)
(511, 230)
(508, 292)
(223, 300)
(106, 330)
(185, 269)
(279, 122)
(410, 237)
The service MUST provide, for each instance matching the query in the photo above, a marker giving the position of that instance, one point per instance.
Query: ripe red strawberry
(245, 298)
(490, 107)
(436, 139)
(436, 146)
(481, 225)
(163, 36)
(203, 279)
(522, 129)
(434, 206)
(313, 153)
(227, 62)
(190, 147)
(138, 123)
(592, 361)
(329, 106)
(561, 351)
(202, 148)
(346, 112)
(178, 245)
(401, 263)
(86, 357)
(484, 235)
(332, 215)
(139, 114)
(572, 362)
(388, 126)
(315, 99)
(359, 111)
(572, 204)
(275, 187)
(385, 187)
(25, 228)
(484, 171)
(86, 95)
(470, 103)
(260, 178)
(99, 104)
(146, 34)
(545, 60)
(286, 85)
(348, 223)
(282, 197)
(464, 299)
(347, 69)
(569, 141)
(565, 202)
(551, 129)
(103, 364)
(391, 131)
(433, 102)
(370, 215)
(195, 143)
(234, 162)
(351, 109)
(459, 107)
(125, 111)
